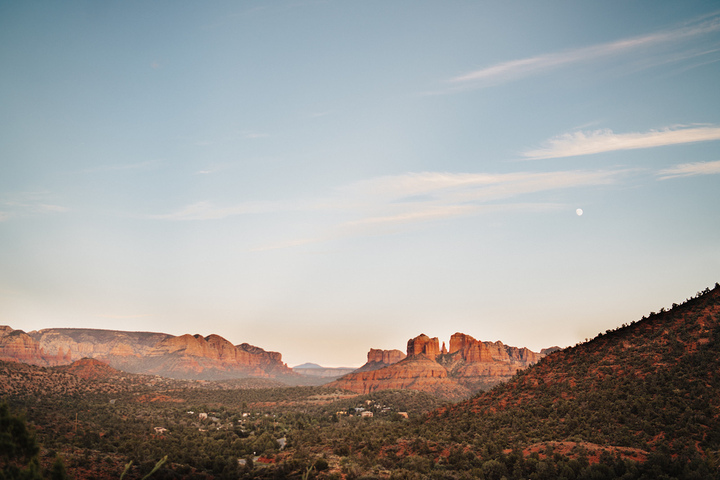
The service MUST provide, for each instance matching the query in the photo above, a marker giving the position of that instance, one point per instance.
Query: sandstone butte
(185, 356)
(467, 367)
(377, 359)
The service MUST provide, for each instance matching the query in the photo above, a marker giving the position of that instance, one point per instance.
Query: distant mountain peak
(309, 365)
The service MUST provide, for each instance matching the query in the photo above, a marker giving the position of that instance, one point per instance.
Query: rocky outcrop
(472, 351)
(467, 367)
(387, 357)
(423, 345)
(185, 356)
(377, 359)
(91, 369)
(18, 346)
(414, 372)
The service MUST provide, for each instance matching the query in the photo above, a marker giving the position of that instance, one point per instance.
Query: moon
(579, 211)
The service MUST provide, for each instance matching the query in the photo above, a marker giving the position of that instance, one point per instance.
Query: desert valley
(640, 401)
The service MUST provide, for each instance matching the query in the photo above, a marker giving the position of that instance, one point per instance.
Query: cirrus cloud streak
(515, 69)
(690, 170)
(600, 141)
(28, 204)
(386, 204)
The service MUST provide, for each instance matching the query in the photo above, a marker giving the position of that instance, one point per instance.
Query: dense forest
(637, 402)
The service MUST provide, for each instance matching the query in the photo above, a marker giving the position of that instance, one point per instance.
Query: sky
(319, 178)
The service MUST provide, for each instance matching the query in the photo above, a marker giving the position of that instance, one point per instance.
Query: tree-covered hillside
(650, 388)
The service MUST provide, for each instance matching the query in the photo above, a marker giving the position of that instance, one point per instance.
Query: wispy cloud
(599, 141)
(215, 167)
(515, 69)
(27, 204)
(420, 197)
(385, 204)
(427, 213)
(690, 169)
(414, 188)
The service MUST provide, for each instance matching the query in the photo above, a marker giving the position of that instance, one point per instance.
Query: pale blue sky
(321, 177)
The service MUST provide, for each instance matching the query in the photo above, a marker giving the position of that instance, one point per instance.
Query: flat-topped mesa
(185, 356)
(387, 357)
(423, 345)
(377, 358)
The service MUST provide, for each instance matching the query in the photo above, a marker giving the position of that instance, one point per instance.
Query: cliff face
(423, 345)
(377, 359)
(416, 373)
(18, 346)
(469, 366)
(471, 350)
(84, 342)
(186, 356)
(387, 357)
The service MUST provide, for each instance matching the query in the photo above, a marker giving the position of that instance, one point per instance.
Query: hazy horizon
(319, 178)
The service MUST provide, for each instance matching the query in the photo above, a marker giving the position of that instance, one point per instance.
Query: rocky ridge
(18, 346)
(469, 366)
(186, 356)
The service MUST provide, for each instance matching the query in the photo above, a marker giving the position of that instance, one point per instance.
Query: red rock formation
(377, 359)
(423, 345)
(91, 369)
(469, 366)
(414, 372)
(472, 350)
(195, 356)
(91, 343)
(186, 356)
(18, 346)
(387, 357)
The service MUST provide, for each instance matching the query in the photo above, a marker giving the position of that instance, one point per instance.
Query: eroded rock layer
(377, 359)
(469, 366)
(185, 356)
